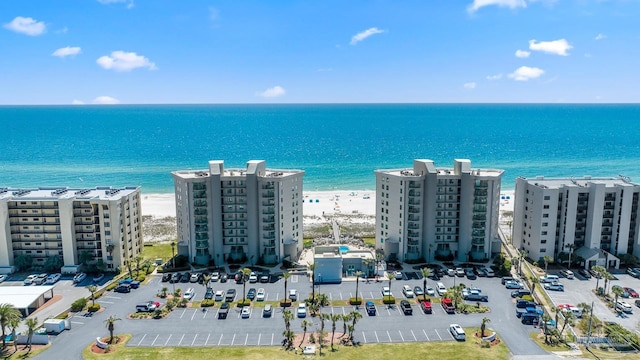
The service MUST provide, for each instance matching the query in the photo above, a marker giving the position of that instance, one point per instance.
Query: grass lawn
(370, 241)
(157, 251)
(450, 350)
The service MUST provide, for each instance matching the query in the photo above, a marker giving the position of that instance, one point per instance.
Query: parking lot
(580, 290)
(195, 327)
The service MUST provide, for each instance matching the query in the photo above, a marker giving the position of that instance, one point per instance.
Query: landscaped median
(450, 350)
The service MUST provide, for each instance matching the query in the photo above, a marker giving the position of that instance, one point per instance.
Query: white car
(302, 310)
(260, 295)
(406, 290)
(441, 288)
(431, 291)
(53, 278)
(624, 307)
(457, 332)
(189, 294)
(490, 272)
(29, 279)
(194, 278)
(246, 312)
(386, 291)
(253, 277)
(215, 276)
(293, 295)
(3, 277)
(79, 277)
(219, 296)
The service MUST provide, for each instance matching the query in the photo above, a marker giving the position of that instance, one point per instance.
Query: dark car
(135, 284)
(251, 294)
(406, 307)
(585, 273)
(208, 294)
(520, 293)
(470, 274)
(123, 288)
(371, 308)
(224, 311)
(523, 304)
(185, 277)
(166, 277)
(224, 277)
(505, 279)
(176, 277)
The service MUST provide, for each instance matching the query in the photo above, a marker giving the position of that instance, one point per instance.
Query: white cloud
(522, 54)
(365, 34)
(273, 92)
(105, 100)
(125, 61)
(558, 47)
(67, 51)
(470, 85)
(477, 4)
(27, 26)
(525, 73)
(77, 102)
(600, 37)
(494, 77)
(106, 2)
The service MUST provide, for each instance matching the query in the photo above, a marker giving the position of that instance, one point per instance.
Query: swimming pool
(344, 249)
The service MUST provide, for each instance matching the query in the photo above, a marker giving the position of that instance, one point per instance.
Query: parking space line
(141, 340)
(194, 314)
(414, 336)
(402, 337)
(233, 339)
(182, 338)
(206, 311)
(259, 337)
(371, 292)
(77, 322)
(389, 335)
(340, 295)
(331, 296)
(272, 334)
(364, 337)
(194, 339)
(106, 302)
(246, 339)
(294, 278)
(111, 297)
(154, 340)
(183, 311)
(219, 341)
(437, 333)
(376, 334)
(169, 338)
(425, 334)
(343, 311)
(206, 342)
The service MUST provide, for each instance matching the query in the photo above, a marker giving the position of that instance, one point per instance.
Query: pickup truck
(223, 311)
(426, 306)
(476, 296)
(528, 310)
(406, 307)
(448, 306)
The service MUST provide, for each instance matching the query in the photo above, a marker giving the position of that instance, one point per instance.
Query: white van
(549, 278)
(441, 288)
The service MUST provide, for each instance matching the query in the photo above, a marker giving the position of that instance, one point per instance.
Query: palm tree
(14, 324)
(312, 268)
(345, 318)
(568, 320)
(599, 270)
(547, 260)
(607, 280)
(586, 308)
(358, 274)
(137, 260)
(334, 319)
(245, 275)
(617, 291)
(321, 332)
(286, 275)
(287, 316)
(522, 254)
(8, 314)
(173, 254)
(571, 247)
(288, 335)
(111, 326)
(32, 325)
(483, 326)
(426, 272)
(391, 276)
(355, 316)
(323, 299)
(545, 321)
(534, 280)
(92, 289)
(305, 324)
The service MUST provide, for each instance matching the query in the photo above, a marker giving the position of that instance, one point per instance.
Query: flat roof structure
(24, 298)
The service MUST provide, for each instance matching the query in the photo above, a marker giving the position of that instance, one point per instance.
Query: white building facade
(556, 215)
(431, 213)
(239, 215)
(101, 225)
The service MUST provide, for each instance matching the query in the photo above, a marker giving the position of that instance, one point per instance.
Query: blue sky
(329, 51)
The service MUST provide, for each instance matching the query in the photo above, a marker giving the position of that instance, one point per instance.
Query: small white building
(334, 262)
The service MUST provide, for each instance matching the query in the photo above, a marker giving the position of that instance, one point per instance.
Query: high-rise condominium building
(102, 226)
(426, 212)
(238, 215)
(591, 218)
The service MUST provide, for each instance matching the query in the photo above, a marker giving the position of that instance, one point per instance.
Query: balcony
(269, 228)
(268, 211)
(414, 210)
(414, 193)
(414, 185)
(269, 219)
(268, 236)
(413, 226)
(414, 218)
(269, 244)
(267, 186)
(268, 194)
(413, 201)
(413, 234)
(268, 203)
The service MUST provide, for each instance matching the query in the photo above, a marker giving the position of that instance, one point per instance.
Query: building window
(545, 215)
(547, 197)
(543, 250)
(545, 224)
(544, 233)
(545, 206)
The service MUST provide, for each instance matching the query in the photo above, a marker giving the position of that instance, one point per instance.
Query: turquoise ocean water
(339, 146)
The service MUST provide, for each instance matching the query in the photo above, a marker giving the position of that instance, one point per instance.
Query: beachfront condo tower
(239, 215)
(63, 228)
(593, 220)
(433, 213)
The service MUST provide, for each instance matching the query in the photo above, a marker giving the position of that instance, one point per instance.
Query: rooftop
(55, 193)
(557, 183)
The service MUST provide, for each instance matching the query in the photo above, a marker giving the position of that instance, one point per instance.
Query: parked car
(520, 293)
(166, 277)
(567, 273)
(490, 272)
(3, 277)
(451, 272)
(123, 288)
(251, 294)
(253, 277)
(595, 274)
(417, 291)
(185, 277)
(425, 304)
(625, 294)
(406, 307)
(481, 272)
(53, 278)
(386, 292)
(633, 272)
(637, 302)
(149, 306)
(264, 278)
(260, 296)
(457, 332)
(224, 277)
(194, 278)
(523, 304)
(370, 307)
(513, 284)
(219, 295)
(79, 277)
(29, 279)
(459, 272)
(399, 275)
(246, 312)
(215, 276)
(302, 310)
(223, 311)
(430, 291)
(98, 278)
(441, 288)
(506, 279)
(407, 291)
(175, 278)
(632, 293)
(555, 286)
(549, 279)
(293, 295)
(40, 279)
(585, 273)
(230, 296)
(470, 274)
(208, 295)
(266, 311)
(189, 294)
(624, 307)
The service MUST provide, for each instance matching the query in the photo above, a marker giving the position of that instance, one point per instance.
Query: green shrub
(527, 297)
(388, 300)
(353, 301)
(245, 302)
(111, 286)
(207, 303)
(160, 269)
(79, 305)
(150, 269)
(141, 278)
(94, 307)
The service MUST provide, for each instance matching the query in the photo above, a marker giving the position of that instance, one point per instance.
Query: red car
(631, 292)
